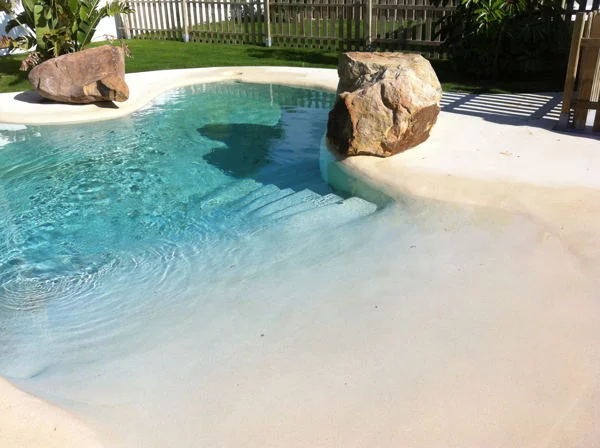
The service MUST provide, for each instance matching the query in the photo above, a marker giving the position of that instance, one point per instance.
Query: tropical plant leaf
(56, 27)
(493, 37)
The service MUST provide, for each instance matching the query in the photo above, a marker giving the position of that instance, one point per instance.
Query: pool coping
(31, 109)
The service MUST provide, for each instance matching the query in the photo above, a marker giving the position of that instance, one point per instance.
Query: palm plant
(6, 6)
(55, 27)
(504, 37)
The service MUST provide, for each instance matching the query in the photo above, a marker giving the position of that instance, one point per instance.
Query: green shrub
(56, 27)
(6, 6)
(492, 38)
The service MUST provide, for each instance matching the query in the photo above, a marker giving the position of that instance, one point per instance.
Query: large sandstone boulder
(386, 104)
(96, 74)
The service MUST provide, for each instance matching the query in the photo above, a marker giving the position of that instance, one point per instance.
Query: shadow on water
(263, 153)
(247, 147)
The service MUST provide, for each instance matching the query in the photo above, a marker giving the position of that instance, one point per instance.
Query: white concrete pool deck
(491, 150)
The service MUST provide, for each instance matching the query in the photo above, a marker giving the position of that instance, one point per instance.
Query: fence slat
(158, 15)
(166, 25)
(173, 20)
(133, 20)
(150, 19)
(225, 27)
(572, 67)
(155, 11)
(143, 20)
(222, 18)
(595, 96)
(589, 57)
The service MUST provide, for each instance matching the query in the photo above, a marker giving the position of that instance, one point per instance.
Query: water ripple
(110, 227)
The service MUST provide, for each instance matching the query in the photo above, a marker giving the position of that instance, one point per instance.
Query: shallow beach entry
(94, 216)
(186, 277)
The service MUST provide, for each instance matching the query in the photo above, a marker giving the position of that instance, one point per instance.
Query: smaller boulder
(88, 76)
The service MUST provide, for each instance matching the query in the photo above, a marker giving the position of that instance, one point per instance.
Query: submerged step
(262, 191)
(296, 199)
(230, 192)
(263, 200)
(298, 210)
(313, 201)
(330, 215)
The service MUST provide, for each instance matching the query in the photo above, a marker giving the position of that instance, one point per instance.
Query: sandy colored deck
(497, 150)
(27, 421)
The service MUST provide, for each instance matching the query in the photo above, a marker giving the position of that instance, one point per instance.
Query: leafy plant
(56, 27)
(6, 6)
(492, 38)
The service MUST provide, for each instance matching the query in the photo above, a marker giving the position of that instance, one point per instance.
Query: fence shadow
(519, 109)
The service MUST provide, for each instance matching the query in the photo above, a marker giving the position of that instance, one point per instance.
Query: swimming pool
(198, 175)
(178, 308)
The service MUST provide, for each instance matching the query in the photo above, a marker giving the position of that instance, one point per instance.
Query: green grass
(163, 55)
(11, 79)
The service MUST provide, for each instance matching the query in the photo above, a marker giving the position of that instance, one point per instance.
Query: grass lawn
(164, 55)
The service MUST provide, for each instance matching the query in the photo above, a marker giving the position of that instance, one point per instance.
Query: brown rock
(96, 74)
(387, 103)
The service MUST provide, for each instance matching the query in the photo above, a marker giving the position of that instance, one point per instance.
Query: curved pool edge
(28, 421)
(28, 108)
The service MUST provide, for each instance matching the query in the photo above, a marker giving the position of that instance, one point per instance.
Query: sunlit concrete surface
(27, 421)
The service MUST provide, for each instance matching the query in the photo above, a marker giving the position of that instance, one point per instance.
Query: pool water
(195, 176)
(186, 277)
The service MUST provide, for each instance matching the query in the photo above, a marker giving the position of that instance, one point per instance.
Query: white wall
(4, 19)
(106, 27)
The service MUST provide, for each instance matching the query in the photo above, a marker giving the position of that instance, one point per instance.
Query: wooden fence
(327, 24)
(583, 70)
(575, 6)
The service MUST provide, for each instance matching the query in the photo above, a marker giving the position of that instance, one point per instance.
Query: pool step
(256, 194)
(225, 194)
(331, 215)
(302, 198)
(303, 176)
(299, 202)
(266, 199)
(301, 210)
(271, 205)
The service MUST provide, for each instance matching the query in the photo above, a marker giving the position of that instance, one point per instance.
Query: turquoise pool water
(150, 204)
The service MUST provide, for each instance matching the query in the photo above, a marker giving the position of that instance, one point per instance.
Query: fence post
(122, 26)
(268, 23)
(587, 73)
(184, 11)
(368, 22)
(572, 69)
